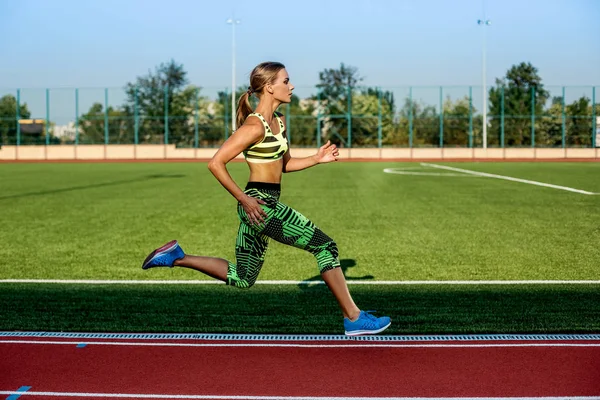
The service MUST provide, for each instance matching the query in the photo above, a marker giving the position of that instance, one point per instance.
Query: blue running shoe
(164, 256)
(366, 324)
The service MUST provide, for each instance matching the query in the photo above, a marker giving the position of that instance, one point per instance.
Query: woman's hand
(251, 205)
(327, 153)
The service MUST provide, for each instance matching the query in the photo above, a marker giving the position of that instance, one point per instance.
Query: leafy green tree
(92, 125)
(339, 93)
(302, 117)
(8, 119)
(336, 88)
(521, 86)
(548, 130)
(163, 91)
(214, 122)
(334, 85)
(367, 106)
(579, 123)
(456, 122)
(425, 124)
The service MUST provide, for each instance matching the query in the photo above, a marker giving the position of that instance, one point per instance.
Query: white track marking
(508, 178)
(349, 281)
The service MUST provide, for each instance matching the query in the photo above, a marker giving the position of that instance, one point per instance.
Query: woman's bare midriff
(266, 172)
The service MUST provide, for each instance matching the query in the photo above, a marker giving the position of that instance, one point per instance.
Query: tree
(514, 95)
(161, 93)
(302, 127)
(336, 87)
(8, 119)
(367, 106)
(573, 120)
(333, 82)
(425, 124)
(579, 123)
(456, 122)
(215, 119)
(93, 125)
(339, 96)
(550, 129)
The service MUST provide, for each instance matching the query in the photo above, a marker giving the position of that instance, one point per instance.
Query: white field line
(296, 345)
(508, 178)
(230, 397)
(349, 281)
(405, 172)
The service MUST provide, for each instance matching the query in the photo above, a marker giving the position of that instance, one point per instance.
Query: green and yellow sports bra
(271, 147)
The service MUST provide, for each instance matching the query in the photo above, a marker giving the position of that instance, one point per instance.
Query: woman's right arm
(241, 139)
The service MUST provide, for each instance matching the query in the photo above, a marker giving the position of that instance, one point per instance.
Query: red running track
(68, 368)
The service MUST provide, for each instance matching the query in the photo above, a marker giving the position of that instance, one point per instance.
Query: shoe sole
(359, 333)
(159, 252)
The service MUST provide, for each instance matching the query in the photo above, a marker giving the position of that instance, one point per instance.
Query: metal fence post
(349, 117)
(225, 116)
(196, 112)
(564, 120)
(136, 118)
(166, 89)
(319, 118)
(594, 122)
(47, 117)
(105, 115)
(288, 120)
(533, 116)
(18, 117)
(379, 118)
(410, 118)
(441, 119)
(470, 117)
(502, 115)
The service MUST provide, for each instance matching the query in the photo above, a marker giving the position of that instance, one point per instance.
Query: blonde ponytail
(243, 109)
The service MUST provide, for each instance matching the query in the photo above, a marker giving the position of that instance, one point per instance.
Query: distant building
(64, 132)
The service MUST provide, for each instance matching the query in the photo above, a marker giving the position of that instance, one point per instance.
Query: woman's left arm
(326, 153)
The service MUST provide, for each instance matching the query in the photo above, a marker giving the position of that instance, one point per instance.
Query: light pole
(233, 23)
(484, 22)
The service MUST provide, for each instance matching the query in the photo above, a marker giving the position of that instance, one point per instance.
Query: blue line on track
(21, 391)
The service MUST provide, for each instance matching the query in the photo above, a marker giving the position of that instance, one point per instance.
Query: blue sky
(107, 43)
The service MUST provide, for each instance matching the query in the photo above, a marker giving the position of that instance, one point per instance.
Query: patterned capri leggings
(282, 224)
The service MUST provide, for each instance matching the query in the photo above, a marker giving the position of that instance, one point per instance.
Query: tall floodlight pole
(233, 23)
(484, 22)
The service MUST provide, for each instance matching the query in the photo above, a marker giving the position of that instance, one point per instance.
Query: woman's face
(282, 88)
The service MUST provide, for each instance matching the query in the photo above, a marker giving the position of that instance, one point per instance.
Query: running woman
(262, 138)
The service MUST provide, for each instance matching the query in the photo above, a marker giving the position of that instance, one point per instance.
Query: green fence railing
(412, 116)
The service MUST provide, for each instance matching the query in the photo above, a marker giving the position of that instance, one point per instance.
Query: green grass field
(99, 221)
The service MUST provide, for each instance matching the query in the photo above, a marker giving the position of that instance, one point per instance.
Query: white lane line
(508, 178)
(230, 397)
(349, 281)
